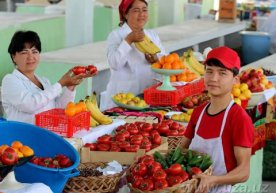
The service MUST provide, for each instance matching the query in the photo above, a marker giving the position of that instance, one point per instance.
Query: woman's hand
(135, 36)
(151, 58)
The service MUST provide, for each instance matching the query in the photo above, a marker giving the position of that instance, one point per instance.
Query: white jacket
(22, 99)
(130, 71)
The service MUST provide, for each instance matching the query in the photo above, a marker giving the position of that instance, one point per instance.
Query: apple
(189, 104)
(195, 100)
(244, 76)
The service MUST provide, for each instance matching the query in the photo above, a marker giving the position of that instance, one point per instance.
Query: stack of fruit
(241, 94)
(195, 100)
(161, 172)
(169, 62)
(129, 99)
(59, 161)
(73, 109)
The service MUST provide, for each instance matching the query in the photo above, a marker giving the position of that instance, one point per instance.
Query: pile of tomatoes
(128, 138)
(148, 174)
(169, 128)
(59, 161)
(91, 69)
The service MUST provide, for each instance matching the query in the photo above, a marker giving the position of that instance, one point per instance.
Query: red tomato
(146, 145)
(103, 147)
(195, 171)
(126, 134)
(147, 127)
(92, 69)
(175, 169)
(173, 180)
(9, 156)
(181, 132)
(146, 185)
(134, 141)
(145, 133)
(163, 129)
(138, 137)
(132, 130)
(79, 70)
(154, 166)
(120, 137)
(184, 175)
(159, 174)
(160, 184)
(156, 139)
(174, 126)
(147, 159)
(120, 128)
(124, 145)
(115, 148)
(155, 125)
(136, 181)
(172, 133)
(153, 132)
(140, 169)
(105, 139)
(92, 146)
(132, 148)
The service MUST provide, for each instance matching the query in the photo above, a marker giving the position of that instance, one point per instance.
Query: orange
(26, 151)
(167, 66)
(173, 78)
(176, 65)
(156, 65)
(81, 105)
(71, 111)
(16, 144)
(2, 148)
(169, 59)
(176, 57)
(162, 60)
(70, 104)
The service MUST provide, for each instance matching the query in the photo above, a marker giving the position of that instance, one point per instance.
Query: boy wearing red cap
(130, 68)
(221, 128)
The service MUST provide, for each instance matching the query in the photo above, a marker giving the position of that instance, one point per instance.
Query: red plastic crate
(156, 97)
(56, 121)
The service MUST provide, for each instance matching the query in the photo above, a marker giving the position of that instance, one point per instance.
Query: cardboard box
(126, 158)
(132, 119)
(227, 10)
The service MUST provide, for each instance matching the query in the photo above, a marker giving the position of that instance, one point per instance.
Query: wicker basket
(92, 184)
(174, 141)
(188, 186)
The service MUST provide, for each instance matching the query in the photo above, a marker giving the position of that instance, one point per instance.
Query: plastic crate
(156, 97)
(56, 121)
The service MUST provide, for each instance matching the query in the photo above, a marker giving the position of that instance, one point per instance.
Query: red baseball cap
(228, 57)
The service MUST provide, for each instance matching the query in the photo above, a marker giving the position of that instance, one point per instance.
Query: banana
(147, 46)
(93, 122)
(193, 63)
(95, 113)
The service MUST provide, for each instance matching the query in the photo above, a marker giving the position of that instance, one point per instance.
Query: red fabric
(123, 7)
(228, 57)
(239, 130)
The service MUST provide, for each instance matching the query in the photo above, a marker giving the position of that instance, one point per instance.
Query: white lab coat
(270, 26)
(130, 71)
(22, 99)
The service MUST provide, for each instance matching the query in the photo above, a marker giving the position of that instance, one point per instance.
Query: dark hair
(20, 38)
(215, 62)
(129, 7)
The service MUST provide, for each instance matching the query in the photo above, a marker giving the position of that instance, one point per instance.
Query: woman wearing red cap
(130, 68)
(221, 128)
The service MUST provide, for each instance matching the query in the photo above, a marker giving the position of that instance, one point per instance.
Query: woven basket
(174, 141)
(188, 186)
(92, 184)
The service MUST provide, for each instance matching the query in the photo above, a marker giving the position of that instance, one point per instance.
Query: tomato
(146, 145)
(175, 169)
(160, 184)
(134, 141)
(167, 122)
(184, 175)
(163, 129)
(136, 181)
(103, 147)
(115, 148)
(92, 146)
(138, 137)
(132, 130)
(174, 126)
(140, 169)
(156, 139)
(145, 133)
(126, 134)
(181, 132)
(146, 185)
(120, 128)
(159, 174)
(195, 171)
(173, 180)
(105, 139)
(153, 132)
(147, 127)
(172, 133)
(91, 69)
(132, 148)
(120, 137)
(9, 156)
(155, 125)
(79, 70)
(147, 159)
(124, 144)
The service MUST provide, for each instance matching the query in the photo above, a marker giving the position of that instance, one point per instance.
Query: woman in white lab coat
(24, 93)
(130, 68)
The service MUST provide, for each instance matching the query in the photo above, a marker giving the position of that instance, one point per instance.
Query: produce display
(241, 92)
(72, 109)
(169, 62)
(147, 46)
(195, 100)
(192, 63)
(59, 161)
(129, 101)
(183, 117)
(160, 172)
(169, 128)
(90, 69)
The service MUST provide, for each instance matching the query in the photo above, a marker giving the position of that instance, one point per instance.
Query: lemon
(247, 94)
(242, 96)
(243, 87)
(236, 92)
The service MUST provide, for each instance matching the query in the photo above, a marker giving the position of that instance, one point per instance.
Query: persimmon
(16, 144)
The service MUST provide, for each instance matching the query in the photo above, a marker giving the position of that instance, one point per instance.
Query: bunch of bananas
(192, 63)
(147, 46)
(96, 116)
